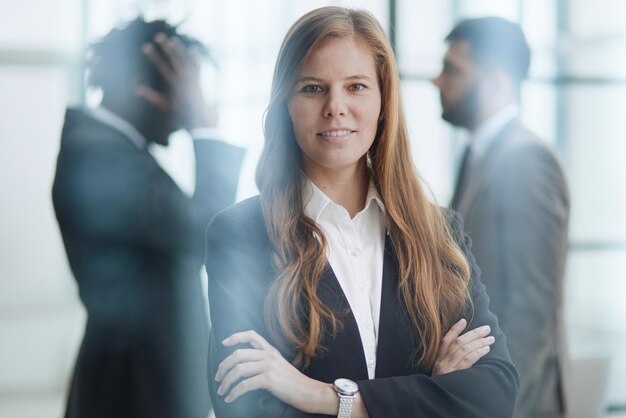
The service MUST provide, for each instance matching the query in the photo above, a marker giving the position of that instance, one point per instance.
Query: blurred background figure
(133, 238)
(512, 194)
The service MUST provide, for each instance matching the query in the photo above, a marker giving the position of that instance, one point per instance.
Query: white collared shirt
(120, 124)
(482, 138)
(487, 132)
(177, 160)
(355, 252)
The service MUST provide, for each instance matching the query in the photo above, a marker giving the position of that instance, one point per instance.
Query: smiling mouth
(336, 133)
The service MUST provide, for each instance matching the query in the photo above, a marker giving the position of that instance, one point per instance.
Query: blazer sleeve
(532, 220)
(488, 389)
(109, 190)
(239, 274)
(217, 176)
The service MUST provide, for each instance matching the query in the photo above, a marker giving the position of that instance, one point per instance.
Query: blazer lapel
(344, 354)
(397, 339)
(484, 167)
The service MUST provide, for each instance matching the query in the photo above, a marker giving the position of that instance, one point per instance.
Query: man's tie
(462, 178)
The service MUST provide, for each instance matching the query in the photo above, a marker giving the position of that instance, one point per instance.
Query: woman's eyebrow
(319, 80)
(359, 77)
(308, 78)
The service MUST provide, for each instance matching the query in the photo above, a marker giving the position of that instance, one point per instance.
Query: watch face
(346, 386)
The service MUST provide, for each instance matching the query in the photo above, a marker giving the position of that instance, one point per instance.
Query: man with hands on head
(133, 239)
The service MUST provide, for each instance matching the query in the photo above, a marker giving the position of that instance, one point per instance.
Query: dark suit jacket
(239, 269)
(135, 245)
(516, 207)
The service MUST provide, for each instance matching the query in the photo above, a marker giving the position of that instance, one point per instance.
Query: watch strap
(345, 406)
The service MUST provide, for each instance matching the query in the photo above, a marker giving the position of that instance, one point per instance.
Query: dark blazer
(135, 244)
(239, 269)
(516, 207)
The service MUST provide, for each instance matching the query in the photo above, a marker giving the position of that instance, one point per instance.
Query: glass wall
(574, 100)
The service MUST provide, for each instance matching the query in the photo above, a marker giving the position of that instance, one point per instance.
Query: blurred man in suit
(513, 196)
(134, 240)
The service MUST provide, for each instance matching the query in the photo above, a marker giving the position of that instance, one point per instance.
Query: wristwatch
(346, 390)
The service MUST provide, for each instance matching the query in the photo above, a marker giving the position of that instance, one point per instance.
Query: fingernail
(225, 340)
(485, 328)
(491, 339)
(220, 390)
(227, 399)
(486, 348)
(217, 377)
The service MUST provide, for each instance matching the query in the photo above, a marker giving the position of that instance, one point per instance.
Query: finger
(159, 61)
(241, 370)
(471, 358)
(238, 356)
(248, 337)
(245, 386)
(174, 51)
(195, 55)
(456, 329)
(152, 96)
(451, 335)
(469, 336)
(469, 348)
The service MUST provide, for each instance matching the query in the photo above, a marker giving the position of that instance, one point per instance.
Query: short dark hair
(495, 42)
(118, 58)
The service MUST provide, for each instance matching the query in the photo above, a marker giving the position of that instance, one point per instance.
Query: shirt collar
(120, 124)
(315, 200)
(488, 130)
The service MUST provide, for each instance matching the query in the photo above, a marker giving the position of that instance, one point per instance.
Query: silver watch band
(345, 406)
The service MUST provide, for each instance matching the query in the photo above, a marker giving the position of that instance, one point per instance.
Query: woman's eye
(312, 88)
(358, 87)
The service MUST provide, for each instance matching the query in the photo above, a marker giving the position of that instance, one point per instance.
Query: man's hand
(183, 98)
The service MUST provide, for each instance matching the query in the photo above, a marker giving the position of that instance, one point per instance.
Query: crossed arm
(262, 366)
(256, 377)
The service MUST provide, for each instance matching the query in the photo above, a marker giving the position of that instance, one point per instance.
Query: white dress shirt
(355, 252)
(177, 160)
(480, 141)
(120, 124)
(487, 132)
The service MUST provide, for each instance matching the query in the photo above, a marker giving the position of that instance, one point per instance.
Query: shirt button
(368, 325)
(355, 252)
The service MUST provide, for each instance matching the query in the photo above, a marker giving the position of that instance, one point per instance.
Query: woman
(342, 268)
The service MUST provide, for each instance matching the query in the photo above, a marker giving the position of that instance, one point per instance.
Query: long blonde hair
(433, 272)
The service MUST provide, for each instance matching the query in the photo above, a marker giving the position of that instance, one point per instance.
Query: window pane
(421, 29)
(431, 137)
(539, 22)
(596, 313)
(596, 149)
(508, 9)
(597, 44)
(539, 110)
(36, 98)
(599, 58)
(36, 24)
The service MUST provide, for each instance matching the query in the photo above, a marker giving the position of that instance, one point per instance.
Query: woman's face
(335, 105)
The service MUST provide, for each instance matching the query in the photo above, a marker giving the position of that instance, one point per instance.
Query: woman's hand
(459, 352)
(263, 367)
